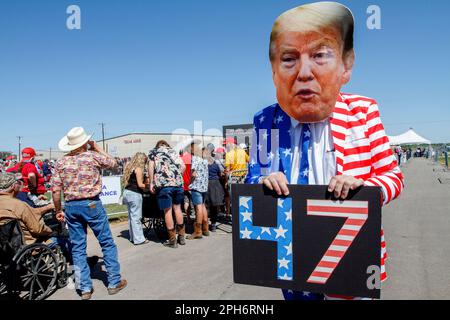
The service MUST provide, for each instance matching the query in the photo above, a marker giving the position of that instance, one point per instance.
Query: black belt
(96, 198)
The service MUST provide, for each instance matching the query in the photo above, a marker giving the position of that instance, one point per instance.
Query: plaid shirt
(79, 176)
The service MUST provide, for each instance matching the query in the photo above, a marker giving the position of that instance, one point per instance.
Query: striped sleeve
(385, 171)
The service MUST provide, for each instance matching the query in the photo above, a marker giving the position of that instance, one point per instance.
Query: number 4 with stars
(282, 234)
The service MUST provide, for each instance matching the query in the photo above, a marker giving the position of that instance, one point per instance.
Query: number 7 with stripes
(356, 214)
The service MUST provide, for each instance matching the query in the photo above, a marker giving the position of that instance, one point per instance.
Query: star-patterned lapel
(282, 122)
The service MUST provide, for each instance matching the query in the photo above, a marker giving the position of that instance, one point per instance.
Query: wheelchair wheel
(36, 272)
(146, 226)
(3, 280)
(63, 276)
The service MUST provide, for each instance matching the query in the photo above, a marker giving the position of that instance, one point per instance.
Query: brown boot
(205, 228)
(172, 242)
(181, 234)
(197, 232)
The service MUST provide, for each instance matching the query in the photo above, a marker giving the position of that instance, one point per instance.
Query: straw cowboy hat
(74, 139)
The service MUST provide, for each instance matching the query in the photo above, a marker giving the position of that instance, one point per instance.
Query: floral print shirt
(79, 176)
(200, 166)
(167, 168)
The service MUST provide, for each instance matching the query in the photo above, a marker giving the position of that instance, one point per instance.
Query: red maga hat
(28, 153)
(230, 140)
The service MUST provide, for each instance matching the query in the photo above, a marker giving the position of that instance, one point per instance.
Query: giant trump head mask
(311, 52)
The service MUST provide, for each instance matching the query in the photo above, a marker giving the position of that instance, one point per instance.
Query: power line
(103, 135)
(20, 146)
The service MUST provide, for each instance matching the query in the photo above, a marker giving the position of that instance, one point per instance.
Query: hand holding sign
(277, 182)
(341, 185)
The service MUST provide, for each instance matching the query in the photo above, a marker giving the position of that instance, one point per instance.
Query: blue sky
(156, 66)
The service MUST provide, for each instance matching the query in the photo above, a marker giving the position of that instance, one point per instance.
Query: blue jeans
(79, 215)
(134, 202)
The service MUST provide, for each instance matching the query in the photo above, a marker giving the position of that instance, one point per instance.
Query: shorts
(169, 196)
(198, 198)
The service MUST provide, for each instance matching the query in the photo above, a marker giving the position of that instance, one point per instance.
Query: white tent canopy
(409, 137)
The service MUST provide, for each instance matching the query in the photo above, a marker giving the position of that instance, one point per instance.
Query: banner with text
(111, 190)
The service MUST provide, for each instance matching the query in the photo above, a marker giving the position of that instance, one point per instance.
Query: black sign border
(348, 278)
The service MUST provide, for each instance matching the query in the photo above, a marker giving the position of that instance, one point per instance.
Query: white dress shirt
(321, 153)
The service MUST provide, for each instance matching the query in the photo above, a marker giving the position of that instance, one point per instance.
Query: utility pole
(103, 135)
(20, 147)
(50, 153)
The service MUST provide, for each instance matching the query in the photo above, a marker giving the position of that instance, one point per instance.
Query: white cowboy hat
(74, 139)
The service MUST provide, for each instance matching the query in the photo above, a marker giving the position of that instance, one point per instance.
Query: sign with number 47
(307, 241)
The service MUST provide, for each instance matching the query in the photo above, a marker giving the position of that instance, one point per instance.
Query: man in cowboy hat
(11, 208)
(78, 176)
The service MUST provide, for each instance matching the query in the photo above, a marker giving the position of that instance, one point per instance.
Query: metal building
(129, 144)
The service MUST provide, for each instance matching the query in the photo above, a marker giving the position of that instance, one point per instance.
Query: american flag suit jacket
(361, 147)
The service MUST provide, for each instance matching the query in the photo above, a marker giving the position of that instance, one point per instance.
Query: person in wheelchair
(37, 224)
(33, 227)
(31, 266)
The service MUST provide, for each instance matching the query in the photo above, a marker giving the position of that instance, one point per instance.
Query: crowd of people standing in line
(191, 178)
(404, 154)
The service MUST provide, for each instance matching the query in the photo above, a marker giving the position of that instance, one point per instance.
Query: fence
(441, 154)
